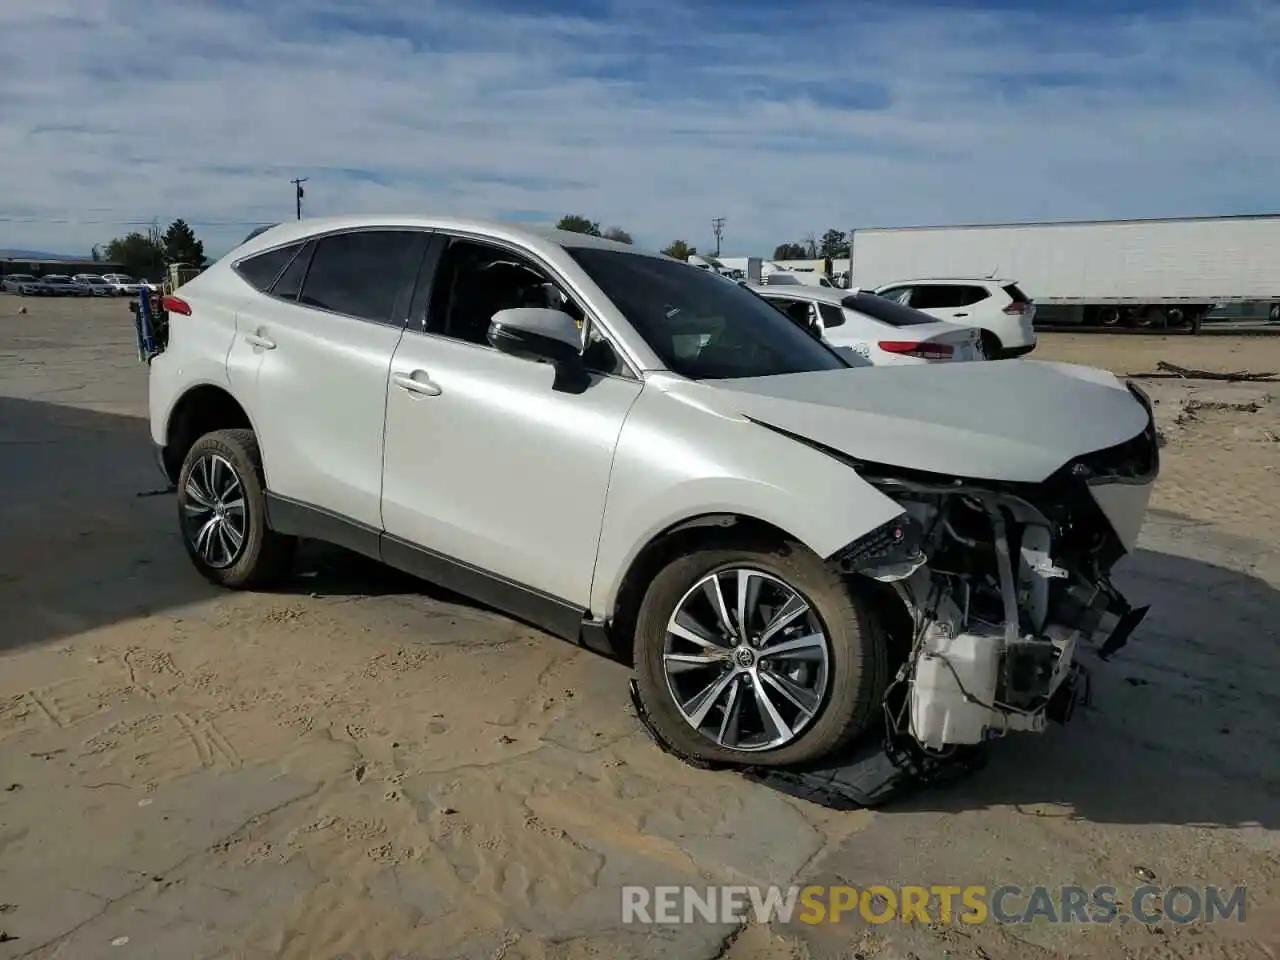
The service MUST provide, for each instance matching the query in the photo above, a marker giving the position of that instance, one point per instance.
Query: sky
(786, 119)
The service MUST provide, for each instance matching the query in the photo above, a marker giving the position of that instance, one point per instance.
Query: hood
(1011, 420)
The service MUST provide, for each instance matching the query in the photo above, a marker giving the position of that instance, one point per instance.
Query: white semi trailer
(1099, 272)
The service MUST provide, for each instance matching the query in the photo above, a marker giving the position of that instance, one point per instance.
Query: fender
(663, 474)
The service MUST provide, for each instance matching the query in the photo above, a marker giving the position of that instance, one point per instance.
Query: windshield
(886, 311)
(700, 326)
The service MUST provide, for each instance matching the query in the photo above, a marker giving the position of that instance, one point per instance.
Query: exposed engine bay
(1005, 585)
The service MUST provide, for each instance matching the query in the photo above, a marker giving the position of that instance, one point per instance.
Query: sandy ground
(361, 766)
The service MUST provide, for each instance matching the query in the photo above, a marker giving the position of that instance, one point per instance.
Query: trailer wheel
(1109, 316)
(1150, 317)
(1176, 317)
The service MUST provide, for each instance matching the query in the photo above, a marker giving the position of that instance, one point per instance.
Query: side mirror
(549, 336)
(536, 333)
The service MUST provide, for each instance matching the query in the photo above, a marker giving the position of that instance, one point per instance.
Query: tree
(181, 245)
(618, 234)
(680, 250)
(574, 223)
(811, 247)
(136, 252)
(835, 243)
(788, 251)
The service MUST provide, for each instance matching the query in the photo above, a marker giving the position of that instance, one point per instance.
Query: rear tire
(854, 674)
(1151, 317)
(992, 348)
(222, 513)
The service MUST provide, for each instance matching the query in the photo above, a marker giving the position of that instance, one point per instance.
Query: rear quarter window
(1015, 293)
(260, 271)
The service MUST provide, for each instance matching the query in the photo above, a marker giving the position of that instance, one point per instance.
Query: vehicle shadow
(88, 536)
(1184, 724)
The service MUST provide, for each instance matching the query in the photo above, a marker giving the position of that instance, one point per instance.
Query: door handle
(417, 382)
(959, 314)
(260, 341)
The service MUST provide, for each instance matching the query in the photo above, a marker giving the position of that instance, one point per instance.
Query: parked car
(32, 287)
(874, 331)
(58, 285)
(640, 457)
(13, 282)
(998, 307)
(122, 284)
(97, 285)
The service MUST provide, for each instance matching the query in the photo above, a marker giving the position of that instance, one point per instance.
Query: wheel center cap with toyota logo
(744, 657)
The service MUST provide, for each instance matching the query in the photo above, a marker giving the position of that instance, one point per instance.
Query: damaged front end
(1004, 585)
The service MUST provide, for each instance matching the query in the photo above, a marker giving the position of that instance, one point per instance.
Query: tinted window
(700, 326)
(362, 274)
(476, 280)
(262, 270)
(831, 315)
(1016, 294)
(934, 298)
(290, 283)
(886, 311)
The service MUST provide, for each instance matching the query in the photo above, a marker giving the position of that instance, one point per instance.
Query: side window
(476, 280)
(289, 285)
(260, 271)
(599, 355)
(798, 311)
(363, 273)
(832, 316)
(935, 297)
(894, 293)
(967, 296)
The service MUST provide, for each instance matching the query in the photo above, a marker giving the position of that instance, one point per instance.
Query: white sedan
(872, 331)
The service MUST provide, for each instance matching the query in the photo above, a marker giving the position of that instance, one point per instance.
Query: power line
(717, 227)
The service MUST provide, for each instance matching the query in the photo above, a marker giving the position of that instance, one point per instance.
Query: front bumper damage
(1007, 589)
(1005, 597)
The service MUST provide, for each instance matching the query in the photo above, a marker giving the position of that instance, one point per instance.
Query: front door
(490, 472)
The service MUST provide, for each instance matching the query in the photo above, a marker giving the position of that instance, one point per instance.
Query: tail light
(172, 304)
(915, 348)
(1018, 308)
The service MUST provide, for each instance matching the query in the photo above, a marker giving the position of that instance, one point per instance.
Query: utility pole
(298, 194)
(717, 227)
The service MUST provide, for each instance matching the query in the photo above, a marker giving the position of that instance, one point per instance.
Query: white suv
(640, 457)
(1005, 314)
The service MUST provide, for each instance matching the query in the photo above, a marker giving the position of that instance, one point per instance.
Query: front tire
(805, 678)
(222, 513)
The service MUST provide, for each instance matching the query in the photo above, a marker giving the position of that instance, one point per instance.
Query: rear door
(314, 351)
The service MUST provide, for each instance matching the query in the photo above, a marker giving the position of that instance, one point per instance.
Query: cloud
(652, 114)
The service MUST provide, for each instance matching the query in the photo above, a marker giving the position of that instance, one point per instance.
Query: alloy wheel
(746, 659)
(214, 520)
